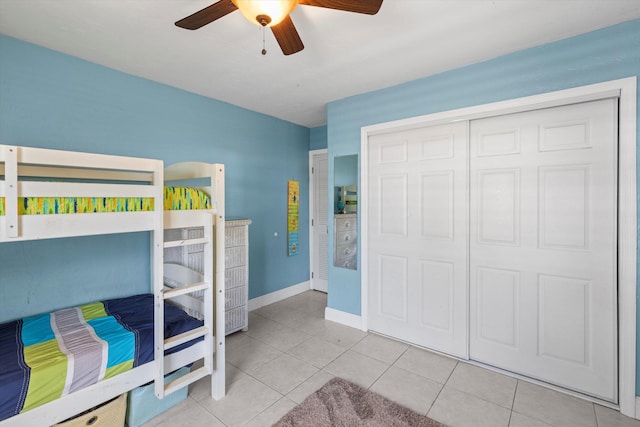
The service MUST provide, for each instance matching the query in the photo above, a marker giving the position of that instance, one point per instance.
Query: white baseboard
(343, 318)
(270, 298)
(637, 408)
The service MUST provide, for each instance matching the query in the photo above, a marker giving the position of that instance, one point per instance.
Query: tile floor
(290, 351)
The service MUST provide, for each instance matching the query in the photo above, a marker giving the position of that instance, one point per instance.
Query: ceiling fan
(274, 14)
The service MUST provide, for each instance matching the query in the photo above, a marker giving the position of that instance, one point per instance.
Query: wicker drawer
(235, 236)
(235, 256)
(235, 319)
(235, 297)
(110, 414)
(234, 277)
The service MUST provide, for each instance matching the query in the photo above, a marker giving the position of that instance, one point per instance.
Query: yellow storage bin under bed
(110, 414)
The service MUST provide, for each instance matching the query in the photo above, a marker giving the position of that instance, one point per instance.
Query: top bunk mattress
(175, 198)
(47, 356)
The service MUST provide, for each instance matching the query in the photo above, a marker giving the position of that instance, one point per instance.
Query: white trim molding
(625, 91)
(637, 408)
(270, 298)
(344, 318)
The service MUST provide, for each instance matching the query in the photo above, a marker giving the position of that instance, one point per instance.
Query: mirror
(345, 181)
(345, 208)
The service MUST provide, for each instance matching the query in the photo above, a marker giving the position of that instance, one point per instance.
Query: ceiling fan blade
(287, 36)
(370, 7)
(207, 15)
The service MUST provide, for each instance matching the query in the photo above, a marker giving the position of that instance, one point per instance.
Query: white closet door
(417, 236)
(320, 218)
(543, 245)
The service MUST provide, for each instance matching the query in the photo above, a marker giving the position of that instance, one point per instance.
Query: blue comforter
(48, 356)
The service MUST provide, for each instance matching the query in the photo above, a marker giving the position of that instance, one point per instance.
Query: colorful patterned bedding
(47, 356)
(175, 198)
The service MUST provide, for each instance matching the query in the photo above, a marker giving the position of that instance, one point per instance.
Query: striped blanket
(175, 198)
(48, 356)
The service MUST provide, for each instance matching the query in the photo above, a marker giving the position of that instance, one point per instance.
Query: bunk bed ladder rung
(185, 380)
(187, 289)
(185, 242)
(184, 337)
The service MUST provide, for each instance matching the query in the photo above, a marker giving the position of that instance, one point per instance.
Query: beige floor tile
(178, 409)
(408, 389)
(553, 407)
(236, 339)
(271, 415)
(202, 388)
(357, 368)
(185, 414)
(344, 336)
(455, 408)
(261, 325)
(245, 399)
(251, 354)
(194, 415)
(483, 383)
(519, 420)
(280, 312)
(311, 325)
(428, 364)
(608, 417)
(284, 373)
(282, 338)
(384, 349)
(307, 303)
(314, 383)
(317, 351)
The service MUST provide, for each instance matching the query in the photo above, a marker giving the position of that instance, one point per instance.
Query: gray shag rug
(341, 403)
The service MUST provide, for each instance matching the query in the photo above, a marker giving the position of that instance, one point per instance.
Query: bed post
(218, 379)
(156, 273)
(10, 157)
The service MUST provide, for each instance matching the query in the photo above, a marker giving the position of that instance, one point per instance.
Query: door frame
(312, 242)
(625, 90)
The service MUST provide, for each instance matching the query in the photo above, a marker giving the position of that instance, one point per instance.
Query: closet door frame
(313, 255)
(625, 91)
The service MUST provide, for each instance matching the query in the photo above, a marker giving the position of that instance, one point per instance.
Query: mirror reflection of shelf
(347, 200)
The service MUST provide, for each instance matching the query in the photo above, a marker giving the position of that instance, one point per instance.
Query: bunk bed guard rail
(41, 173)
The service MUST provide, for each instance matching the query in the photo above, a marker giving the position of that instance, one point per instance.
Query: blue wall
(52, 100)
(318, 138)
(603, 55)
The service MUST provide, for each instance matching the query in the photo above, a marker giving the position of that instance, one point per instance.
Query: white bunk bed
(27, 173)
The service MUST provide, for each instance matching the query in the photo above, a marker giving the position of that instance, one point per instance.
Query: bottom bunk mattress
(48, 356)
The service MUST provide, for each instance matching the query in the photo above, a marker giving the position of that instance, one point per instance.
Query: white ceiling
(345, 53)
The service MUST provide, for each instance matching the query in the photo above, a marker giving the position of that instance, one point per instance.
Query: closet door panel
(392, 298)
(417, 236)
(543, 206)
(436, 208)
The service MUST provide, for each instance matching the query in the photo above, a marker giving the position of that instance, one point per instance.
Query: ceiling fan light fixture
(265, 12)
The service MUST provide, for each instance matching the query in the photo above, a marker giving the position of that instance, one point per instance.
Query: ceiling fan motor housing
(263, 20)
(273, 10)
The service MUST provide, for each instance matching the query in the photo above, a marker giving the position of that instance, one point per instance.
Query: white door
(319, 222)
(417, 236)
(542, 249)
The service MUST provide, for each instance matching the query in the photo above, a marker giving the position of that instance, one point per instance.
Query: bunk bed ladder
(205, 331)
